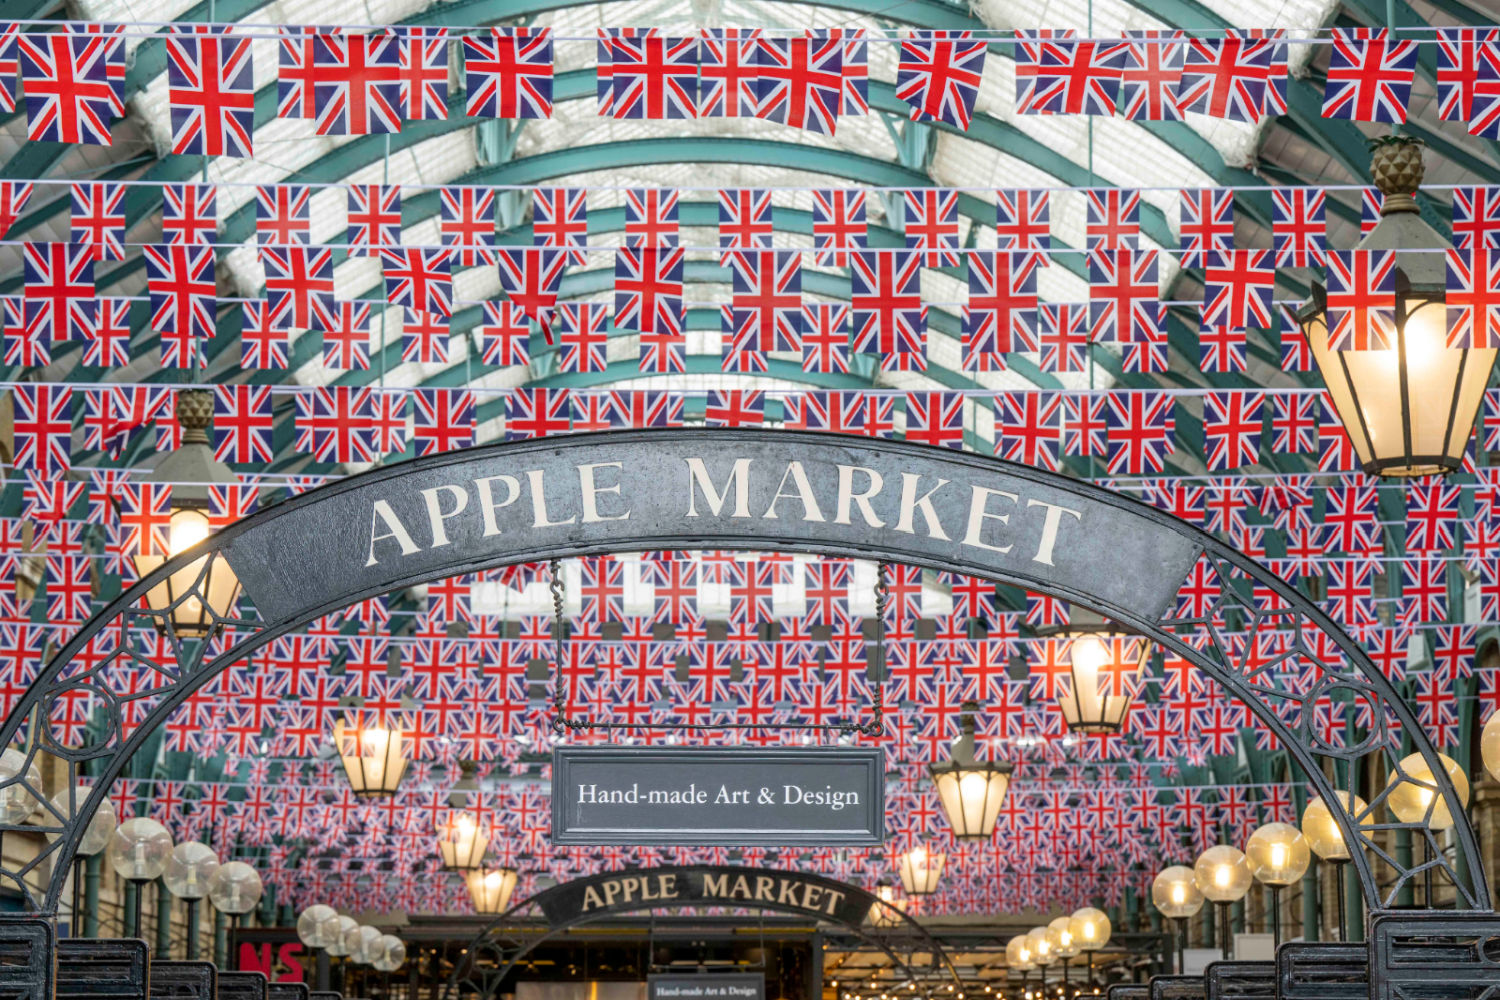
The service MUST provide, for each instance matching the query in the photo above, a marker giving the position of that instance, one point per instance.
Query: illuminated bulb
(1179, 893)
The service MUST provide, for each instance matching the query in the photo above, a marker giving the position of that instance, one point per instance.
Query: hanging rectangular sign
(737, 796)
(707, 986)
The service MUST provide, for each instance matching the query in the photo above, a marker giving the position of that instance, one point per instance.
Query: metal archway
(484, 981)
(574, 495)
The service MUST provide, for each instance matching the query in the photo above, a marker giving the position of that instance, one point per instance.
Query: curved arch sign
(463, 511)
(710, 489)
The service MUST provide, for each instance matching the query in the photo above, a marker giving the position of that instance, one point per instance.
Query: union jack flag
(1028, 428)
(58, 286)
(728, 72)
(28, 335)
(653, 76)
(299, 284)
(467, 224)
(243, 423)
(939, 73)
(886, 302)
(1222, 348)
(180, 283)
(1361, 299)
(108, 343)
(604, 87)
(374, 218)
(1063, 76)
(1123, 303)
(1150, 75)
(825, 337)
(14, 196)
(1424, 593)
(1370, 76)
(10, 66)
(583, 336)
(283, 214)
(560, 220)
(651, 218)
(935, 418)
(1296, 353)
(1063, 337)
(1294, 423)
(1206, 223)
(211, 92)
(537, 413)
(1431, 516)
(1277, 71)
(423, 72)
(1140, 431)
(648, 290)
(1148, 354)
(647, 408)
(1225, 78)
(1299, 226)
(1371, 208)
(357, 83)
(1476, 217)
(1022, 220)
(744, 220)
(768, 284)
(1114, 219)
(335, 424)
(230, 503)
(1232, 429)
(1351, 513)
(346, 337)
(419, 279)
(1001, 313)
(69, 81)
(739, 340)
(1237, 288)
(530, 279)
(931, 225)
(854, 67)
(1474, 298)
(264, 336)
(98, 219)
(735, 408)
(1465, 58)
(295, 74)
(842, 413)
(504, 334)
(838, 224)
(189, 213)
(43, 427)
(443, 420)
(509, 74)
(801, 82)
(424, 337)
(388, 421)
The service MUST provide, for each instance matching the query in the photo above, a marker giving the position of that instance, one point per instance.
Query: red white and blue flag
(422, 72)
(1473, 298)
(1232, 429)
(264, 337)
(1476, 216)
(1361, 299)
(1113, 221)
(243, 423)
(768, 285)
(931, 225)
(838, 224)
(651, 217)
(744, 220)
(283, 214)
(1225, 77)
(825, 337)
(357, 83)
(728, 71)
(648, 290)
(374, 218)
(424, 337)
(1023, 220)
(68, 79)
(939, 73)
(1063, 76)
(935, 418)
(1001, 313)
(1150, 75)
(653, 75)
(560, 220)
(530, 280)
(1028, 428)
(58, 285)
(886, 303)
(43, 427)
(509, 73)
(801, 82)
(299, 284)
(336, 424)
(210, 92)
(1063, 337)
(504, 334)
(583, 334)
(1123, 295)
(1299, 226)
(466, 224)
(180, 283)
(346, 337)
(1370, 75)
(1140, 429)
(1237, 288)
(419, 279)
(442, 420)
(190, 213)
(1206, 223)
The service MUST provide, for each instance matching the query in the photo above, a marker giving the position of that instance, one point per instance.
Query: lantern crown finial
(1396, 168)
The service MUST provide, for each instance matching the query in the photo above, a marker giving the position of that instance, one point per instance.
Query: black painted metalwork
(325, 995)
(103, 968)
(1128, 991)
(1178, 988)
(27, 968)
(288, 991)
(1435, 956)
(184, 980)
(1240, 980)
(243, 986)
(1322, 970)
(284, 547)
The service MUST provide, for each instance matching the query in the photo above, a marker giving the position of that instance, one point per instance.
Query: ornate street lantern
(374, 757)
(920, 870)
(888, 910)
(1104, 662)
(462, 842)
(490, 889)
(190, 597)
(971, 792)
(1410, 407)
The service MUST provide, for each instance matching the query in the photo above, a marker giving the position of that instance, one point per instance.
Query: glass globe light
(363, 943)
(339, 940)
(1489, 745)
(317, 925)
(189, 868)
(1323, 834)
(1024, 958)
(1060, 933)
(1222, 874)
(138, 849)
(1413, 791)
(17, 801)
(1013, 951)
(235, 888)
(490, 890)
(390, 952)
(1040, 945)
(96, 835)
(1091, 928)
(1277, 854)
(1175, 893)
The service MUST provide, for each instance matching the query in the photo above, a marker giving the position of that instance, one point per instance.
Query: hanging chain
(876, 725)
(560, 721)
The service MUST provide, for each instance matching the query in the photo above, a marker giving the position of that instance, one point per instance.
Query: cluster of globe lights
(1084, 932)
(322, 928)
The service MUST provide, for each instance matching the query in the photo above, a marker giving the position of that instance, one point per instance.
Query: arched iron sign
(581, 901)
(455, 513)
